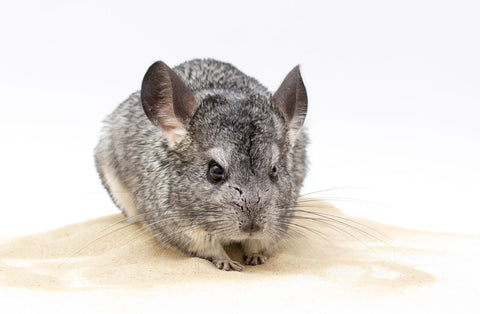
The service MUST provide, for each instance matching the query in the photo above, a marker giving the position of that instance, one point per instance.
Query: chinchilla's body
(206, 156)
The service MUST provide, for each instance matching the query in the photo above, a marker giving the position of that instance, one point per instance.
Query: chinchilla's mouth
(249, 235)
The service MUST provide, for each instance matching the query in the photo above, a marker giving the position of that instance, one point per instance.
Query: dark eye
(215, 172)
(273, 173)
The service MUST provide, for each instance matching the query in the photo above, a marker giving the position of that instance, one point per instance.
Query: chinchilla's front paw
(227, 264)
(255, 259)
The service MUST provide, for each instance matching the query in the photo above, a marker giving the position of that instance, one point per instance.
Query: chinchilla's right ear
(291, 99)
(167, 101)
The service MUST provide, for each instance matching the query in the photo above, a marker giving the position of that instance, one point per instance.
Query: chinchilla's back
(211, 76)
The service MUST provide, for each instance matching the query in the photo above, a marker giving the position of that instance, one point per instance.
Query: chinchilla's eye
(215, 172)
(274, 173)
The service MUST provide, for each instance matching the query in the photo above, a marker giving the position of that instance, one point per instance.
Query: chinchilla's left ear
(167, 101)
(291, 99)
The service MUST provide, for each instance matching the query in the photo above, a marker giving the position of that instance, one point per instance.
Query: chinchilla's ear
(167, 101)
(291, 99)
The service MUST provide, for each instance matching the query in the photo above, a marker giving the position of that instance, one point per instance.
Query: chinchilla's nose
(251, 227)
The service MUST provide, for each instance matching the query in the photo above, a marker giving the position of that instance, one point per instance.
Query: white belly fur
(122, 197)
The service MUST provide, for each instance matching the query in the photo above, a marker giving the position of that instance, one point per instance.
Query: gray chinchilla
(207, 156)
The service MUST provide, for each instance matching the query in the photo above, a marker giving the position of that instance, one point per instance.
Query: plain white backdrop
(394, 97)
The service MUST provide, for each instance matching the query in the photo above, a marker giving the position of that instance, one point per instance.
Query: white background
(393, 91)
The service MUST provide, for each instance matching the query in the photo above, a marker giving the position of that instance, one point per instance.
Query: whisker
(320, 234)
(336, 199)
(121, 221)
(326, 190)
(345, 219)
(76, 252)
(329, 223)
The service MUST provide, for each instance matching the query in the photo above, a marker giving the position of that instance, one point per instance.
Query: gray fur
(236, 124)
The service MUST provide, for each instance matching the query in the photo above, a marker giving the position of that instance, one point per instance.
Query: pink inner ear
(173, 138)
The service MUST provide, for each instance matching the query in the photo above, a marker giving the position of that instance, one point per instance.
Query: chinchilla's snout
(251, 210)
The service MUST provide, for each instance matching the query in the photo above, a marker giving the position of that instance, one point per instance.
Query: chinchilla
(206, 156)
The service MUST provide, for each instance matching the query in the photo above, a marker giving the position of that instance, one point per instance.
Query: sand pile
(356, 268)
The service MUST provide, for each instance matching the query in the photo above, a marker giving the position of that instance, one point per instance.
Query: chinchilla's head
(234, 166)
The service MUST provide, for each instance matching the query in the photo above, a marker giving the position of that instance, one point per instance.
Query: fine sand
(366, 267)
